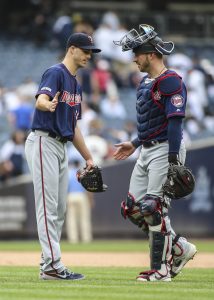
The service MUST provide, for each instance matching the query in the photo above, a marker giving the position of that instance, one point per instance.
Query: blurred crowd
(109, 84)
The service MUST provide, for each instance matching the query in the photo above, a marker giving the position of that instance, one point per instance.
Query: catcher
(159, 173)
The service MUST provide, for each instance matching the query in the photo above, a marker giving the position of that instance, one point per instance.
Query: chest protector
(150, 106)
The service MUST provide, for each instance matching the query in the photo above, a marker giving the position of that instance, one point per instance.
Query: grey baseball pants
(48, 164)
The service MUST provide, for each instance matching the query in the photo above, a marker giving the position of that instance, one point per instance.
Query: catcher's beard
(145, 66)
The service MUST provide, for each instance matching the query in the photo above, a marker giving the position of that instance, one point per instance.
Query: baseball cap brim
(93, 48)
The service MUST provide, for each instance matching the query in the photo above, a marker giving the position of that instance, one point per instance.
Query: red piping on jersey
(164, 77)
(156, 132)
(44, 204)
(157, 83)
(153, 98)
(161, 107)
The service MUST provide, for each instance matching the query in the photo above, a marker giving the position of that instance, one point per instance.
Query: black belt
(54, 136)
(57, 137)
(152, 143)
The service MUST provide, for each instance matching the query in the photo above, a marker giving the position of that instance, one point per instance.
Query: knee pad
(150, 208)
(130, 210)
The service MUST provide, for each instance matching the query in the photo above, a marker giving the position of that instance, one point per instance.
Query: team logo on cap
(90, 39)
(177, 100)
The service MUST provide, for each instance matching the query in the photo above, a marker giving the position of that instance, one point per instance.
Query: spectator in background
(40, 29)
(196, 82)
(12, 156)
(27, 89)
(82, 26)
(88, 114)
(79, 204)
(85, 79)
(62, 29)
(192, 126)
(2, 100)
(104, 34)
(111, 106)
(181, 63)
(11, 99)
(21, 117)
(97, 141)
(101, 75)
(121, 64)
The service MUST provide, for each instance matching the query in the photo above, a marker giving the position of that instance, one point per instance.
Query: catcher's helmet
(146, 41)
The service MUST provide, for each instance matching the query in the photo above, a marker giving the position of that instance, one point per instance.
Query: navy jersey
(157, 101)
(63, 121)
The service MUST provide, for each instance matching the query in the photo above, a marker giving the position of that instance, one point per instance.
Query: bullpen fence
(192, 216)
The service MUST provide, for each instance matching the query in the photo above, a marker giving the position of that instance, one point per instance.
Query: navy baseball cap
(82, 41)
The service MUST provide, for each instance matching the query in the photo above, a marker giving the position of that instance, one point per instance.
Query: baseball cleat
(178, 262)
(155, 275)
(64, 275)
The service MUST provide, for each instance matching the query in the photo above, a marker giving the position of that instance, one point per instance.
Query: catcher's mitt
(92, 180)
(180, 182)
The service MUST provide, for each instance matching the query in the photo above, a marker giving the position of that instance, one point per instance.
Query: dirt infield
(97, 259)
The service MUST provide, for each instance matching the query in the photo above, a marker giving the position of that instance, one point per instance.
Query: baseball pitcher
(58, 109)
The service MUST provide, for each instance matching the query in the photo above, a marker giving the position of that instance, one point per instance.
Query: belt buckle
(154, 142)
(61, 139)
(58, 138)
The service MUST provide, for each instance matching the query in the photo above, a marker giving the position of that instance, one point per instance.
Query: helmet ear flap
(165, 48)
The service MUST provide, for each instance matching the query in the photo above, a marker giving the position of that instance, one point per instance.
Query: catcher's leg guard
(160, 239)
(130, 210)
(160, 270)
(159, 243)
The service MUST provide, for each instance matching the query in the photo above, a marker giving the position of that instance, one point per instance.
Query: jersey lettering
(70, 99)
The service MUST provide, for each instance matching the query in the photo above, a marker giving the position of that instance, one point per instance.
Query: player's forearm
(43, 103)
(80, 145)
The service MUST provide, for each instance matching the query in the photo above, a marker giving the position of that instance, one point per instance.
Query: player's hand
(124, 150)
(89, 164)
(54, 102)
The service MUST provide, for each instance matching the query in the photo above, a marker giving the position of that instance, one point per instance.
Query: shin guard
(160, 248)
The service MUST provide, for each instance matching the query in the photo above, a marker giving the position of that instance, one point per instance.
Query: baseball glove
(180, 182)
(92, 180)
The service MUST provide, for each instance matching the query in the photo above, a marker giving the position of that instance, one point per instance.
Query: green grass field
(100, 245)
(104, 282)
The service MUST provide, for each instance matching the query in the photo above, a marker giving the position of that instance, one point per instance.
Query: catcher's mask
(144, 41)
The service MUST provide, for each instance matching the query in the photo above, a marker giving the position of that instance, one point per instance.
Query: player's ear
(71, 49)
(151, 55)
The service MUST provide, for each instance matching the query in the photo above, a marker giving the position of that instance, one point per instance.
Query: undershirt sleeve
(174, 134)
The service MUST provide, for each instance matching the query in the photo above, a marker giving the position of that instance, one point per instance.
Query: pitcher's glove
(91, 180)
(180, 182)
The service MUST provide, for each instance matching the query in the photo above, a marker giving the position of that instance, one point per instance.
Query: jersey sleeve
(174, 93)
(50, 83)
(175, 105)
